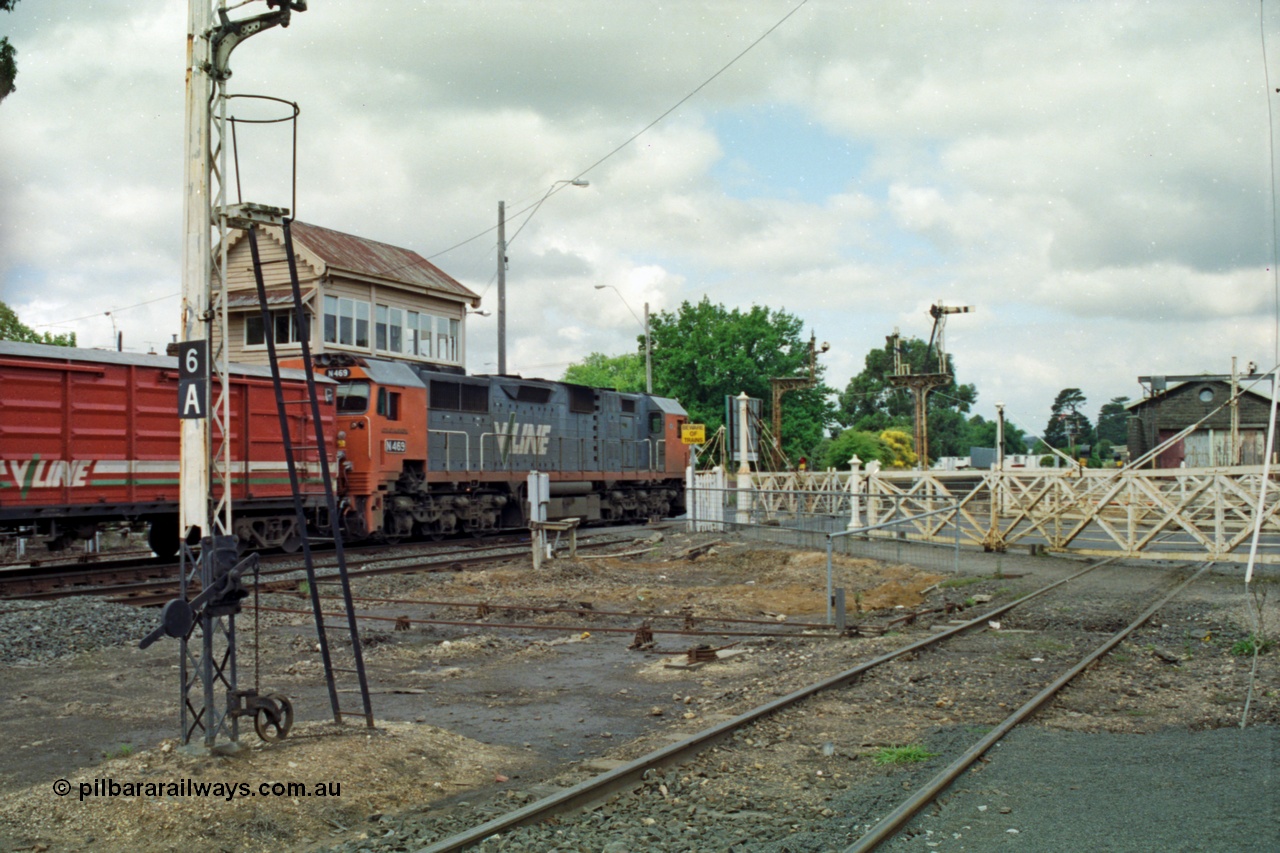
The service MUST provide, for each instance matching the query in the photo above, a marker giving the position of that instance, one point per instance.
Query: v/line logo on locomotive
(522, 439)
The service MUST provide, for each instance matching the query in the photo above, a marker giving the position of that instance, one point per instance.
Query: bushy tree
(1113, 421)
(12, 329)
(852, 442)
(1068, 427)
(903, 455)
(982, 433)
(704, 352)
(621, 372)
(8, 54)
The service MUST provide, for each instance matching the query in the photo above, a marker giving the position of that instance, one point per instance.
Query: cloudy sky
(1094, 177)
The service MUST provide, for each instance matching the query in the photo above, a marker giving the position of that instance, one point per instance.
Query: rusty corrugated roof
(380, 260)
(278, 296)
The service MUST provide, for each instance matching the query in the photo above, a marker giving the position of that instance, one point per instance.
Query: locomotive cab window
(389, 404)
(353, 398)
(655, 422)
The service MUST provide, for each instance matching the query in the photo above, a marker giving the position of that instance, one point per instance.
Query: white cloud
(1094, 177)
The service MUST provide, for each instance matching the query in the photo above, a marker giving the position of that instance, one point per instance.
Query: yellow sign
(693, 433)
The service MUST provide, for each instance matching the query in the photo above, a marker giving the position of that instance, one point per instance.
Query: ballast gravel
(35, 632)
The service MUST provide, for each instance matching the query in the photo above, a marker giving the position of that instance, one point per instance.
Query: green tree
(12, 329)
(8, 62)
(704, 352)
(852, 442)
(982, 433)
(870, 402)
(1113, 422)
(621, 372)
(1068, 427)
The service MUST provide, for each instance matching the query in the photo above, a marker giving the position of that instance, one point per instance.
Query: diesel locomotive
(89, 437)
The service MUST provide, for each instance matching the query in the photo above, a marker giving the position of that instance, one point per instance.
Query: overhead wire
(555, 189)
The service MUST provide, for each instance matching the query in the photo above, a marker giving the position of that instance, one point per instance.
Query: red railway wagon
(90, 437)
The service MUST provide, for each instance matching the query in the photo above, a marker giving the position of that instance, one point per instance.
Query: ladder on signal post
(356, 668)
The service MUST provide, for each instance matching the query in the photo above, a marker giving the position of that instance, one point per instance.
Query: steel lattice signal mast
(205, 511)
(922, 383)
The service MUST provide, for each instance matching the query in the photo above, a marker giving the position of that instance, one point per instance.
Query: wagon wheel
(273, 727)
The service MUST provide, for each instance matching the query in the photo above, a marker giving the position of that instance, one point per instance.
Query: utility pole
(648, 354)
(502, 288)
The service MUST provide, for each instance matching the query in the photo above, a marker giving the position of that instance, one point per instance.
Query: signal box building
(1167, 413)
(361, 297)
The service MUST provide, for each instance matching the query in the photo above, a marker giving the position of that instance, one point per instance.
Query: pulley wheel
(273, 727)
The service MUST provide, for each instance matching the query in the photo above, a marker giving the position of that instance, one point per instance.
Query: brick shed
(1163, 415)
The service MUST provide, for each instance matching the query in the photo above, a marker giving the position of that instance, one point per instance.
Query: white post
(197, 268)
(744, 470)
(855, 493)
(691, 497)
(539, 491)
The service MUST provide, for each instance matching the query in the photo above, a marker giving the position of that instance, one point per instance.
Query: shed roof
(367, 257)
(241, 300)
(1183, 387)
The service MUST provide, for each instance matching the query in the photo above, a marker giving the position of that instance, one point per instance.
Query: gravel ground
(450, 751)
(37, 632)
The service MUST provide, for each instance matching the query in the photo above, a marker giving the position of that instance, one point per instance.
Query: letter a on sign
(191, 398)
(193, 379)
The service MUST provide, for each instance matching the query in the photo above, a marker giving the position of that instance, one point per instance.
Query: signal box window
(346, 322)
(389, 404)
(353, 398)
(284, 330)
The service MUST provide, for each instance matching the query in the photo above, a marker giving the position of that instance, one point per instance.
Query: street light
(648, 347)
(502, 263)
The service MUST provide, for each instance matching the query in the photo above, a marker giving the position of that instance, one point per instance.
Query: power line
(638, 133)
(104, 313)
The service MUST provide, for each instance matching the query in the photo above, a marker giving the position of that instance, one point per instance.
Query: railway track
(724, 754)
(148, 582)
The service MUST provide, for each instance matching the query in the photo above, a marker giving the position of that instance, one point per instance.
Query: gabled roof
(364, 257)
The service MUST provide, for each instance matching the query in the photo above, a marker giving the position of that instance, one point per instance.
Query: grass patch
(1252, 644)
(909, 754)
(124, 750)
(955, 583)
(304, 587)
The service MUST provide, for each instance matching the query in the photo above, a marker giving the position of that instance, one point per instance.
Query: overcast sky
(1093, 177)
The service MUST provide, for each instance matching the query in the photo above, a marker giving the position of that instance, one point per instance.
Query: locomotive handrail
(466, 446)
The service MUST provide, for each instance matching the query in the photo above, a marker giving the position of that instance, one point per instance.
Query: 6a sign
(193, 379)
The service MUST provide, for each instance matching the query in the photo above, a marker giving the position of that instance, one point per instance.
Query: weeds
(909, 754)
(954, 583)
(124, 750)
(1251, 645)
